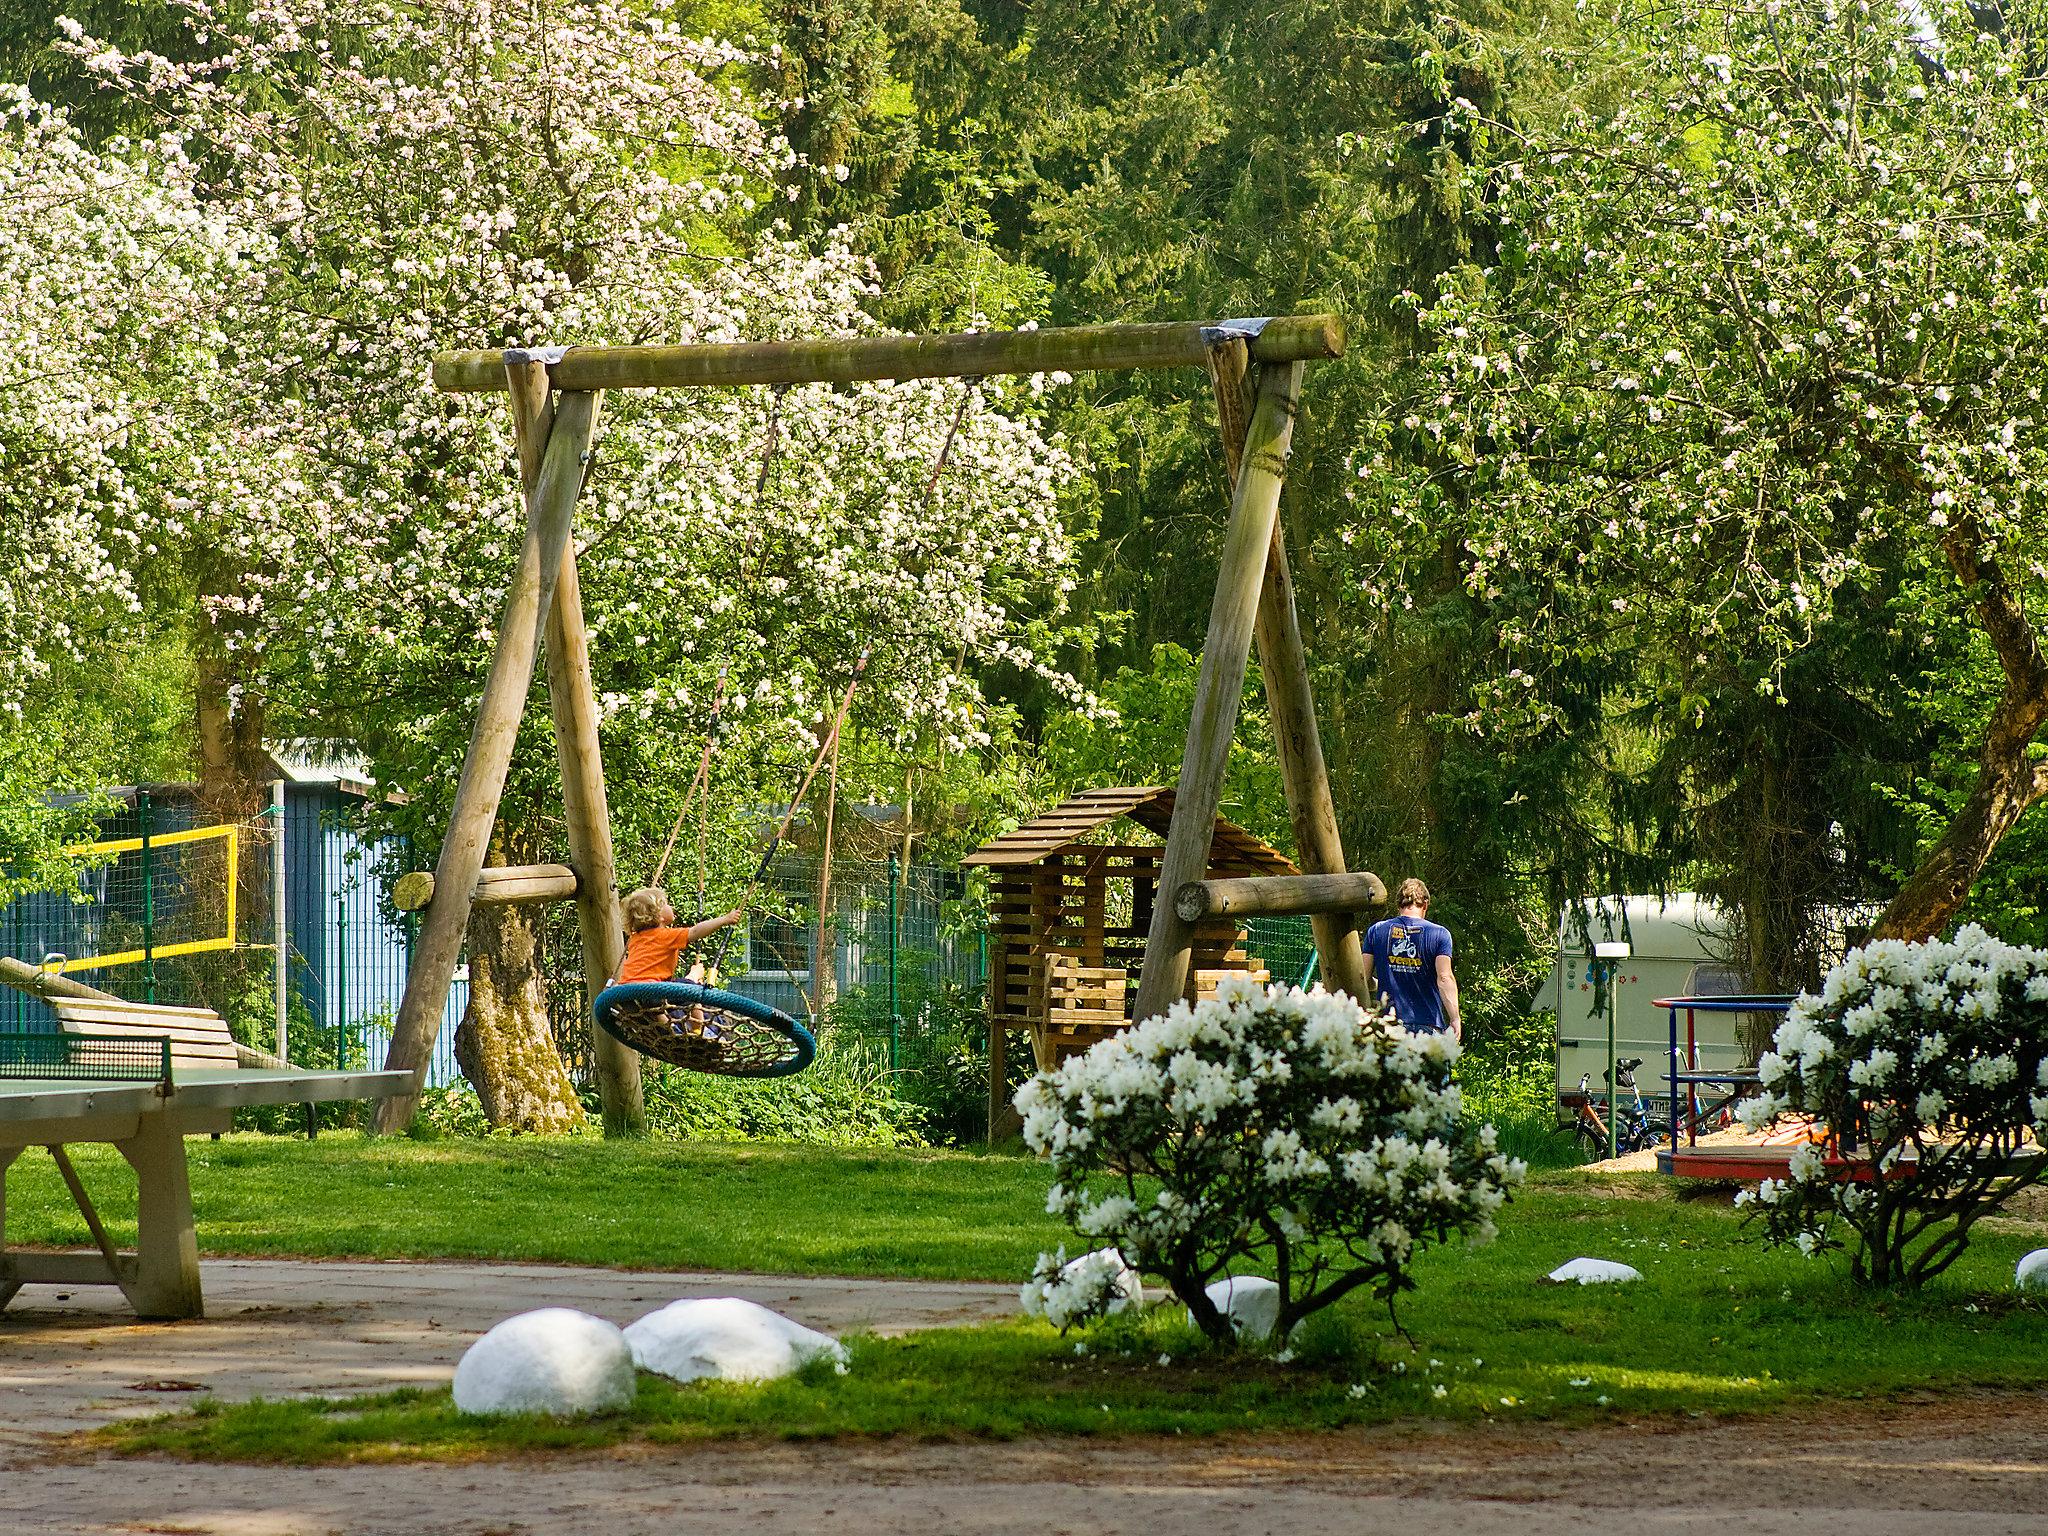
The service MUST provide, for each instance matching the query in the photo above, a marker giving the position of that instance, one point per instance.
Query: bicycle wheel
(1653, 1133)
(1593, 1141)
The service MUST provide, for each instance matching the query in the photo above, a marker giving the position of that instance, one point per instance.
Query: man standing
(1410, 959)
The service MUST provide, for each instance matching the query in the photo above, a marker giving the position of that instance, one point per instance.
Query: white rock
(725, 1338)
(1251, 1302)
(1593, 1272)
(2032, 1275)
(555, 1361)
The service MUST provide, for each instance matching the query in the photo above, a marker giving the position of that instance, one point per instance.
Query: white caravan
(1679, 944)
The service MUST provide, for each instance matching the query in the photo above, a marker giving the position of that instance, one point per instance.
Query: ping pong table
(128, 1091)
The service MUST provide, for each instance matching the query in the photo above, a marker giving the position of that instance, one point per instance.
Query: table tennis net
(30, 1054)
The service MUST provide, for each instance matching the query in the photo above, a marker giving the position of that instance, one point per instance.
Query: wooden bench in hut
(1070, 908)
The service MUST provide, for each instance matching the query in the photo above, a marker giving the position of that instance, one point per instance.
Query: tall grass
(1510, 1078)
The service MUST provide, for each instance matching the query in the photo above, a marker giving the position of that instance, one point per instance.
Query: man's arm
(1447, 989)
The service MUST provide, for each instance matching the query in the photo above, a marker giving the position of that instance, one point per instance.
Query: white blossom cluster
(1290, 1128)
(1069, 1292)
(1927, 1066)
(482, 173)
(106, 261)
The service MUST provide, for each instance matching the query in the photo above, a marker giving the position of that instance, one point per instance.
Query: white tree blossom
(481, 173)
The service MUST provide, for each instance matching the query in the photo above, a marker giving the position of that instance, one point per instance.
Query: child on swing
(655, 943)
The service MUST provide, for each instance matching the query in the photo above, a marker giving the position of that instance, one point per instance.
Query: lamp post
(1609, 956)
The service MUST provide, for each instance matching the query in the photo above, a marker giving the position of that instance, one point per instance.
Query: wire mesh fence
(171, 910)
(167, 909)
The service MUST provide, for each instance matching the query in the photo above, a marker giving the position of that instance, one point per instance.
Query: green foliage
(1142, 741)
(843, 1099)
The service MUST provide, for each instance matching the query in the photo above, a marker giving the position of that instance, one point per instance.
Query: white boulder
(2032, 1275)
(554, 1361)
(1251, 1302)
(727, 1339)
(1593, 1272)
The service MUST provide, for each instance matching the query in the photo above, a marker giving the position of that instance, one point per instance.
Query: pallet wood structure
(1256, 368)
(1069, 913)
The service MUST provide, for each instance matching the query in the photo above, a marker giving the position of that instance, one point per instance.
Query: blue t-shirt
(1404, 951)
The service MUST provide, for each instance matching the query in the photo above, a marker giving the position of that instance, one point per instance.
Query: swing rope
(701, 784)
(826, 748)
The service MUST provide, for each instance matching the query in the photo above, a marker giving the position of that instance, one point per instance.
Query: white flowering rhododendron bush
(1927, 1066)
(483, 173)
(1268, 1129)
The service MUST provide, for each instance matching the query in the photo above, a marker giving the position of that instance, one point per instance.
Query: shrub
(842, 1099)
(1289, 1131)
(1927, 1065)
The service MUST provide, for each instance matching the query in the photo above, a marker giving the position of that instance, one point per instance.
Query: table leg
(8, 1288)
(167, 1248)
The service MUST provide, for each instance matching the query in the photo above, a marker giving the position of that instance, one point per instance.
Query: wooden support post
(1279, 895)
(843, 360)
(10, 1284)
(572, 699)
(41, 983)
(1254, 513)
(1283, 662)
(550, 507)
(507, 885)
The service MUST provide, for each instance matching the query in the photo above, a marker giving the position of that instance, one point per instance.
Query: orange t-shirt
(651, 954)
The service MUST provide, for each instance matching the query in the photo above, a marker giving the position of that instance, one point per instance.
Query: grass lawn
(765, 1207)
(1717, 1325)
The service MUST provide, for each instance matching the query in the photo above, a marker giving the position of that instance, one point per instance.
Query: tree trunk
(503, 1044)
(2009, 780)
(235, 772)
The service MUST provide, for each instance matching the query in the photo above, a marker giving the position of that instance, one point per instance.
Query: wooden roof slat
(1151, 806)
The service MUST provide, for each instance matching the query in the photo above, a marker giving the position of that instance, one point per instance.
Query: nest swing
(705, 1029)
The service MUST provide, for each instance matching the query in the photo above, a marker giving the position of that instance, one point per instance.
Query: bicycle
(1634, 1129)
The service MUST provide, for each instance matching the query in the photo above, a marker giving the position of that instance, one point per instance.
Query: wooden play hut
(1070, 909)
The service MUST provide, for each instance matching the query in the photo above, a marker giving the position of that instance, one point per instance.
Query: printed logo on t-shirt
(1403, 948)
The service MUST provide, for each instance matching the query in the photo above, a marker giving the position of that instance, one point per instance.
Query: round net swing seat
(705, 1029)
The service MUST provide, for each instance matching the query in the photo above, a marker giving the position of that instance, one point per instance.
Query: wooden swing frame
(1256, 368)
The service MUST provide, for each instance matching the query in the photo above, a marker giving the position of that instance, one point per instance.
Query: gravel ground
(1973, 1464)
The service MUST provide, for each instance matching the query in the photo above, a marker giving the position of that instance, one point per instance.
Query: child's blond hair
(642, 909)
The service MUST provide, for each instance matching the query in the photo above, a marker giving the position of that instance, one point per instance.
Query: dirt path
(1977, 1465)
(285, 1327)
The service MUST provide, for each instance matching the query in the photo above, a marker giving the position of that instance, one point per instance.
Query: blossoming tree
(106, 260)
(1758, 334)
(495, 174)
(1285, 1129)
(1928, 1065)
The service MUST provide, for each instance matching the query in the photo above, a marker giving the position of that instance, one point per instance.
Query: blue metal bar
(1674, 1084)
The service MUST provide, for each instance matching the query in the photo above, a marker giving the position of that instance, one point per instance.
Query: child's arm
(702, 931)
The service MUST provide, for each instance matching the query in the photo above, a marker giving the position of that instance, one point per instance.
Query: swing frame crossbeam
(1256, 368)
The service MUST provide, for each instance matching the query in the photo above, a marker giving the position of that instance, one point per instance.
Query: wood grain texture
(550, 508)
(981, 354)
(1219, 685)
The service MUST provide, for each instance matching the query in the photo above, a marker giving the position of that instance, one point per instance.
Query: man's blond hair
(1413, 893)
(642, 909)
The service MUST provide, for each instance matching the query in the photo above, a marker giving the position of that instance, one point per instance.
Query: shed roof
(1151, 807)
